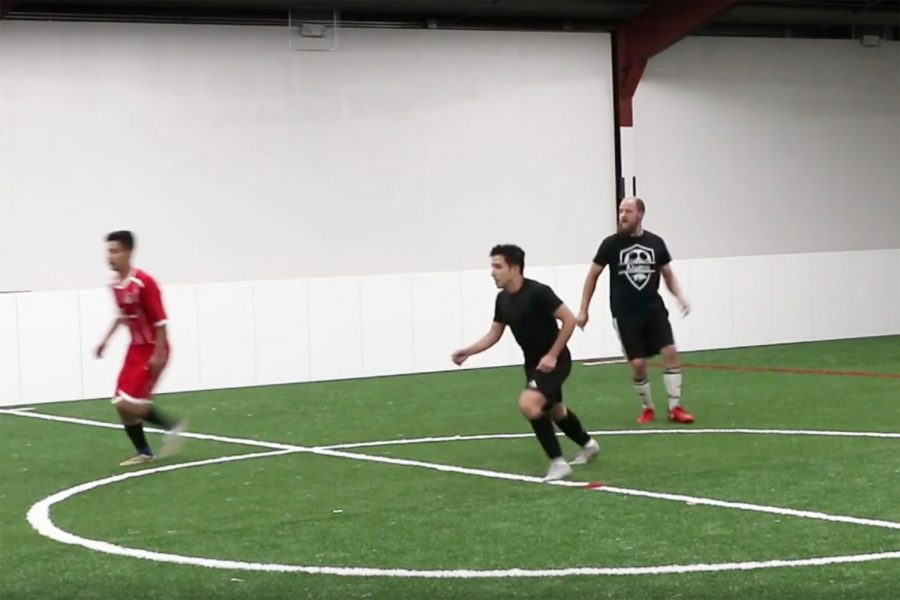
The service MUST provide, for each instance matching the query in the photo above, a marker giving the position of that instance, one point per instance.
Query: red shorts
(136, 383)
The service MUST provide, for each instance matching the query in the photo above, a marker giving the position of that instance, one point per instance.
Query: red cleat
(647, 415)
(679, 415)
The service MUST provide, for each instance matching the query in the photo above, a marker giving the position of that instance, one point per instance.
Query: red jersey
(140, 306)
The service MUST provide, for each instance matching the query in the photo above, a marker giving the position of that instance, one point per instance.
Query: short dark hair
(512, 254)
(126, 238)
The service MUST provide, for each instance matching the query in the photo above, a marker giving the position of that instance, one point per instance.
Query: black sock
(136, 435)
(543, 429)
(571, 426)
(157, 418)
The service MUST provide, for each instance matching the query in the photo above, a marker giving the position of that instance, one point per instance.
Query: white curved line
(39, 514)
(39, 518)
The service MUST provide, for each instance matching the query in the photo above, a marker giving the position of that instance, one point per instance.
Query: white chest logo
(637, 263)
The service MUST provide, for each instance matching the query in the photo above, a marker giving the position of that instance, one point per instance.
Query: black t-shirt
(529, 313)
(634, 265)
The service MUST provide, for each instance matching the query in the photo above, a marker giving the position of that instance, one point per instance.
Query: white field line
(690, 500)
(335, 451)
(459, 438)
(39, 517)
(191, 435)
(601, 432)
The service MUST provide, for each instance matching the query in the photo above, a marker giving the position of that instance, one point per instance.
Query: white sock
(643, 389)
(672, 379)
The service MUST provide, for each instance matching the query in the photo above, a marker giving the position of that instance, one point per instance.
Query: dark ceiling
(771, 18)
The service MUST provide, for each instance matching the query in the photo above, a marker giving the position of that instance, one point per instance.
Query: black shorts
(643, 336)
(549, 384)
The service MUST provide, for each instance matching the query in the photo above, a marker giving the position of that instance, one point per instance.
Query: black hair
(512, 254)
(126, 238)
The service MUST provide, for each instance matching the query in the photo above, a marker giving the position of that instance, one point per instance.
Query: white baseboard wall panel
(49, 347)
(335, 328)
(227, 335)
(281, 329)
(387, 325)
(9, 350)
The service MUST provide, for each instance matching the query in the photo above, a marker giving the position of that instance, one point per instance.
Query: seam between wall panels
(412, 323)
(18, 351)
(80, 344)
(308, 334)
(362, 337)
(462, 311)
(730, 298)
(253, 340)
(199, 335)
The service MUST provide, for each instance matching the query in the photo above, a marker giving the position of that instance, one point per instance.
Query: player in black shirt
(531, 310)
(636, 259)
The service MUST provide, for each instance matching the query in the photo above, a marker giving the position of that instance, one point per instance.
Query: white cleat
(173, 440)
(137, 459)
(588, 453)
(559, 469)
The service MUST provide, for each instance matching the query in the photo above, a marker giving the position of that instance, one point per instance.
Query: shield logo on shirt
(637, 263)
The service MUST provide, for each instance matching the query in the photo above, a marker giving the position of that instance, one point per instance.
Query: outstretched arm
(486, 341)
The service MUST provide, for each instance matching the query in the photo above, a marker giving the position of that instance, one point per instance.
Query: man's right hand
(582, 319)
(459, 357)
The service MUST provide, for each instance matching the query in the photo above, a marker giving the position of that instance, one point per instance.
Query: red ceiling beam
(651, 32)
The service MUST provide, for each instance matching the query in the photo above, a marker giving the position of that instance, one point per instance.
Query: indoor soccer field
(428, 486)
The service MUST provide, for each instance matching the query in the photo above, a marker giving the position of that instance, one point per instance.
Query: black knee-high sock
(158, 418)
(543, 429)
(136, 435)
(571, 426)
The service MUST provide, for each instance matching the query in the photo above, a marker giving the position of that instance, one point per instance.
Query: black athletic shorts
(549, 384)
(643, 336)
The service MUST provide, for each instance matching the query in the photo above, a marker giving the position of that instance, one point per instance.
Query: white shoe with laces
(173, 440)
(559, 469)
(588, 453)
(137, 459)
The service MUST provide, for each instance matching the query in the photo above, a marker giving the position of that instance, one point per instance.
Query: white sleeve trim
(161, 323)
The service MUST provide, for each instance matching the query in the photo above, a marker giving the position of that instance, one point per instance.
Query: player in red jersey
(141, 310)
